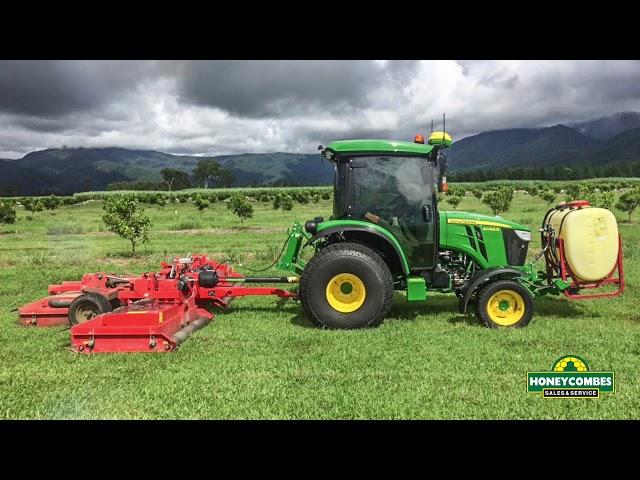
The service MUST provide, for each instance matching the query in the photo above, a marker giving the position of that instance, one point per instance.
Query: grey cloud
(467, 65)
(499, 80)
(41, 124)
(607, 82)
(217, 107)
(325, 136)
(285, 87)
(52, 87)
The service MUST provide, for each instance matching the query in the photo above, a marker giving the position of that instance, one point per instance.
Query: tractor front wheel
(504, 303)
(346, 285)
(87, 306)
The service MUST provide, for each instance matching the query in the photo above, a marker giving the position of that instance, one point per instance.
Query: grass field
(263, 360)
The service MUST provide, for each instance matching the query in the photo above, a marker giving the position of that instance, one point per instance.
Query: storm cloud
(218, 107)
(51, 87)
(282, 87)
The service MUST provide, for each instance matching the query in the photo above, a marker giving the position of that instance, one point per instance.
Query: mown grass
(262, 358)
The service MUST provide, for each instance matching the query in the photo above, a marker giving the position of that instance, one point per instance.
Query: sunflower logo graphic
(570, 377)
(570, 364)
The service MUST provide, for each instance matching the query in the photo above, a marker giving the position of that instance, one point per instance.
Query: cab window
(395, 188)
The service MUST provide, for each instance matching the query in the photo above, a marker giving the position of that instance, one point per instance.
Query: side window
(393, 187)
(415, 187)
(373, 186)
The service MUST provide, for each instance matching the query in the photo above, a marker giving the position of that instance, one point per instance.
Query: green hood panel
(477, 235)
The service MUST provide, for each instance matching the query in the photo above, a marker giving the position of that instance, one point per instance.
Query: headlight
(524, 236)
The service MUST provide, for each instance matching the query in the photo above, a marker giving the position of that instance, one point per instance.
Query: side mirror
(442, 164)
(442, 171)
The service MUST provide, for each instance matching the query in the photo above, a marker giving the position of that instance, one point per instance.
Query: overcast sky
(221, 107)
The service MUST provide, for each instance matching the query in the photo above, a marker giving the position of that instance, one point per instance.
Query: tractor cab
(392, 184)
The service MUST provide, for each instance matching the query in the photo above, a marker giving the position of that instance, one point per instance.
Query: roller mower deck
(152, 312)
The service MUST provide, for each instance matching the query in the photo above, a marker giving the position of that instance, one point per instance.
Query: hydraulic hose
(284, 245)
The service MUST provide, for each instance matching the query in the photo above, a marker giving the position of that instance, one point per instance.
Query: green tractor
(387, 234)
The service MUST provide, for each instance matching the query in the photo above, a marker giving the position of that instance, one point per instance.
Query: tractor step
(143, 326)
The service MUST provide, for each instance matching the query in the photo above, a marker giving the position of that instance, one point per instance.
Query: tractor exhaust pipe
(181, 335)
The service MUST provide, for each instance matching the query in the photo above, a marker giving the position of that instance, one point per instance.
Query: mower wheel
(504, 303)
(346, 285)
(87, 306)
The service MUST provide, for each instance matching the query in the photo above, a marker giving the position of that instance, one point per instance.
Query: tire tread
(102, 302)
(342, 249)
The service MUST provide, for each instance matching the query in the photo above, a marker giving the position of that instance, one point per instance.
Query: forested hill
(606, 146)
(69, 170)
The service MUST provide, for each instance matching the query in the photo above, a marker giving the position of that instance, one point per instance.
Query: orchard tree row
(300, 195)
(125, 216)
(557, 172)
(499, 199)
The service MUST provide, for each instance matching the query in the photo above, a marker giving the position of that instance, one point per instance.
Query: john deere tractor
(387, 234)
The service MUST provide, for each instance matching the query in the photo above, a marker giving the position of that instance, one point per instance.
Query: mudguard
(480, 278)
(371, 230)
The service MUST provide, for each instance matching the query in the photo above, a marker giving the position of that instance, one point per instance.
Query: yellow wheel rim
(346, 293)
(505, 307)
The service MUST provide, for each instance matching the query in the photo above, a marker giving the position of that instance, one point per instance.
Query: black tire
(87, 306)
(519, 311)
(338, 260)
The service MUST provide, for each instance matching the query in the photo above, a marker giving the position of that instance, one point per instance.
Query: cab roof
(379, 146)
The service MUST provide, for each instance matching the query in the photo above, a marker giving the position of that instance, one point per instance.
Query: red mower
(153, 312)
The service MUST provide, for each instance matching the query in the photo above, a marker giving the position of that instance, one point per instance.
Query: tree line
(556, 172)
(207, 173)
(498, 198)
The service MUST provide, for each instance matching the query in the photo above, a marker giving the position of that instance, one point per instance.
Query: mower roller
(386, 235)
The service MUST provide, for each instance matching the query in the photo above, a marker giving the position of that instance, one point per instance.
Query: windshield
(392, 187)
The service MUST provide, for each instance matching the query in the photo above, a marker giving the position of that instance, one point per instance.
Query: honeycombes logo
(570, 378)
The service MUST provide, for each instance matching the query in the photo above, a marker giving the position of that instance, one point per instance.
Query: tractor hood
(489, 241)
(466, 218)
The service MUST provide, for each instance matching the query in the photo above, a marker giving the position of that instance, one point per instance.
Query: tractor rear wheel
(504, 303)
(87, 306)
(346, 285)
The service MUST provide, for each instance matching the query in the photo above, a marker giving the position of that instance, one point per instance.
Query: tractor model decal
(468, 221)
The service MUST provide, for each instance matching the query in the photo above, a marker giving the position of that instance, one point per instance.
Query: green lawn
(261, 359)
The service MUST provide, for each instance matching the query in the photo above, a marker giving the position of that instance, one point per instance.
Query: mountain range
(67, 170)
(612, 139)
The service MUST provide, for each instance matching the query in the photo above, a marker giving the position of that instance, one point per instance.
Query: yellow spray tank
(590, 237)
